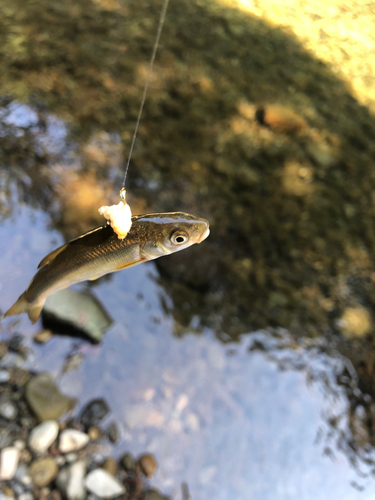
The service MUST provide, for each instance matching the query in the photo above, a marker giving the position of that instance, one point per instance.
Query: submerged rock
(19, 376)
(68, 311)
(147, 463)
(42, 436)
(4, 376)
(15, 344)
(3, 350)
(26, 496)
(95, 433)
(43, 336)
(72, 362)
(22, 474)
(94, 412)
(8, 409)
(102, 484)
(7, 494)
(113, 432)
(43, 471)
(6, 438)
(110, 466)
(72, 440)
(70, 481)
(129, 463)
(134, 486)
(153, 494)
(8, 462)
(45, 398)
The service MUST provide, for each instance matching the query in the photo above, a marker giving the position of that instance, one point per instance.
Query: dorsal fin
(51, 255)
(48, 258)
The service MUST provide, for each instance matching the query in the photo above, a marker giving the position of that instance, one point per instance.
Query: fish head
(171, 232)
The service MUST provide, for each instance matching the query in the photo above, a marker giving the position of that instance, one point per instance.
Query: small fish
(100, 251)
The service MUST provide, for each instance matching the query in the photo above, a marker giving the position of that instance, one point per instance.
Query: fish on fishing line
(100, 251)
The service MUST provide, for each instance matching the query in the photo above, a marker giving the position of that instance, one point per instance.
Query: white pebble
(43, 435)
(4, 376)
(75, 488)
(8, 409)
(3, 496)
(60, 460)
(22, 474)
(102, 484)
(72, 440)
(71, 457)
(26, 496)
(70, 481)
(19, 444)
(8, 463)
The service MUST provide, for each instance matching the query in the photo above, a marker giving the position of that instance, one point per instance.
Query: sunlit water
(224, 419)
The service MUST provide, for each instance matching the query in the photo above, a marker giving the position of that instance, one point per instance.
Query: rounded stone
(134, 485)
(8, 409)
(147, 463)
(70, 481)
(45, 398)
(6, 493)
(129, 463)
(95, 433)
(113, 432)
(72, 440)
(102, 484)
(19, 376)
(26, 496)
(43, 336)
(153, 494)
(43, 471)
(3, 350)
(4, 376)
(43, 435)
(8, 462)
(110, 465)
(22, 474)
(15, 344)
(94, 412)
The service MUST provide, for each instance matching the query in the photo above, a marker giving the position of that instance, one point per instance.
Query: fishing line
(150, 67)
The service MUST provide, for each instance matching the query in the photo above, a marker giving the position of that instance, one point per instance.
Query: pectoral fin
(121, 266)
(130, 263)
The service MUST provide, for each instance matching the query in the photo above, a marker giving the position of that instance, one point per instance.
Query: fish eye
(179, 237)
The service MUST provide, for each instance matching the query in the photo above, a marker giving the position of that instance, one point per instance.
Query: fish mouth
(204, 235)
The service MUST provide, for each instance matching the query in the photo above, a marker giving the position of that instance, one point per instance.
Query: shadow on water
(241, 125)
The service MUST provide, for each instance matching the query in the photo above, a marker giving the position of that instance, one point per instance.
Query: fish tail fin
(20, 306)
(23, 305)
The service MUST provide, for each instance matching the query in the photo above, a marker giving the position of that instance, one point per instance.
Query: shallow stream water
(227, 420)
